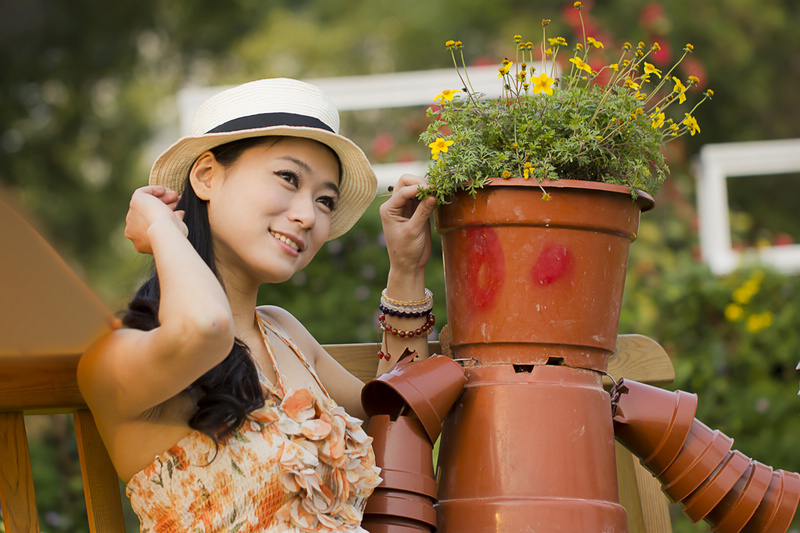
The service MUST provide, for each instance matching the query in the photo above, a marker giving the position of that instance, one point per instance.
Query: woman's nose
(302, 211)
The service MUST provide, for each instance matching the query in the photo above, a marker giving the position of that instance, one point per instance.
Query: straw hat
(277, 106)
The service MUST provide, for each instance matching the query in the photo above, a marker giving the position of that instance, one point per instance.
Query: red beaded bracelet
(429, 323)
(382, 355)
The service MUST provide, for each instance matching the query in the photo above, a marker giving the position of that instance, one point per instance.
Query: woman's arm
(406, 226)
(131, 371)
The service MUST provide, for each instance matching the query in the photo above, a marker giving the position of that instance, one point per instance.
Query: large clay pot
(529, 281)
(529, 451)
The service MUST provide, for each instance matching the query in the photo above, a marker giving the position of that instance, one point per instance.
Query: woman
(221, 416)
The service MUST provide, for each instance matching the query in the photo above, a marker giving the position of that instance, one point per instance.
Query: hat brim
(356, 190)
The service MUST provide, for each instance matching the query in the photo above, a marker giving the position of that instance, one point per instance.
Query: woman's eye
(289, 176)
(329, 202)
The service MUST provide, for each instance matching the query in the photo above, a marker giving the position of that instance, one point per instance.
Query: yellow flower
(526, 174)
(694, 80)
(656, 47)
(450, 43)
(577, 5)
(595, 43)
(631, 84)
(757, 322)
(579, 46)
(506, 174)
(546, 196)
(639, 110)
(581, 64)
(447, 94)
(658, 119)
(545, 22)
(557, 41)
(614, 67)
(528, 164)
(689, 47)
(640, 96)
(439, 145)
(680, 89)
(691, 123)
(543, 83)
(517, 38)
(673, 127)
(651, 69)
(709, 93)
(734, 313)
(549, 52)
(745, 293)
(505, 68)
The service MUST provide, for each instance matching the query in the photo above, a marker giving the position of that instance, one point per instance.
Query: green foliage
(586, 125)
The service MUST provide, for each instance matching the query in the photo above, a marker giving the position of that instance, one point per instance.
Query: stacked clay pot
(696, 465)
(407, 406)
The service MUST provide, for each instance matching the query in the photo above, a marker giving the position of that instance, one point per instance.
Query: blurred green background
(87, 99)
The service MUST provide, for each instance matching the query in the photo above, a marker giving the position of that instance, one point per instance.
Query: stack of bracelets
(406, 309)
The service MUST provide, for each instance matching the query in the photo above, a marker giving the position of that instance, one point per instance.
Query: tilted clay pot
(778, 506)
(737, 507)
(713, 489)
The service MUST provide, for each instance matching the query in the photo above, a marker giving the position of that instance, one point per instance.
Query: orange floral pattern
(301, 464)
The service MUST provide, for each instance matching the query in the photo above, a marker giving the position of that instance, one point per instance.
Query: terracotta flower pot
(529, 281)
(428, 387)
(529, 449)
(385, 502)
(404, 454)
(778, 506)
(653, 423)
(713, 489)
(737, 507)
(391, 524)
(701, 454)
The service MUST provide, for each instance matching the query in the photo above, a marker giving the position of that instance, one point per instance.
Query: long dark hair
(231, 390)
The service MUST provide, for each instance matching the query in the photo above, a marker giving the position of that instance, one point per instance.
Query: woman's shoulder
(290, 325)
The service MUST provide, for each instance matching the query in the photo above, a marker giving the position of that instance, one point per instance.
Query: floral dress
(299, 464)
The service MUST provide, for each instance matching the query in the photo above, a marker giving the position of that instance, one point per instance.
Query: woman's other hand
(406, 226)
(149, 205)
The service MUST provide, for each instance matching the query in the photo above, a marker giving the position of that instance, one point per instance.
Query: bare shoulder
(294, 328)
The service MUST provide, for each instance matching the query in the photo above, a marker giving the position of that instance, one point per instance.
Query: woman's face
(270, 212)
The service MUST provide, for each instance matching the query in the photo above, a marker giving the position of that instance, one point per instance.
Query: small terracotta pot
(653, 423)
(713, 489)
(737, 507)
(778, 505)
(401, 504)
(404, 454)
(428, 387)
(392, 524)
(703, 452)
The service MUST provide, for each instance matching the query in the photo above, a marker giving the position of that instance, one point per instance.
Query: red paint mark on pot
(485, 266)
(552, 264)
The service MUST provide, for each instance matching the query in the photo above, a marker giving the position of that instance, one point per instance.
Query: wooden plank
(655, 504)
(361, 359)
(100, 481)
(17, 497)
(629, 489)
(40, 383)
(641, 359)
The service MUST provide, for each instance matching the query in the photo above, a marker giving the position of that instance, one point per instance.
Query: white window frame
(717, 163)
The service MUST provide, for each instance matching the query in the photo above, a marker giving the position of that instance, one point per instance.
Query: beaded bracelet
(405, 313)
(419, 332)
(382, 355)
(408, 303)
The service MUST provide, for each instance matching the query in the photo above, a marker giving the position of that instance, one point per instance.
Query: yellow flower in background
(505, 68)
(614, 67)
(557, 41)
(651, 69)
(680, 89)
(691, 123)
(506, 174)
(734, 313)
(447, 94)
(581, 64)
(758, 321)
(543, 83)
(546, 196)
(631, 84)
(658, 119)
(593, 42)
(439, 145)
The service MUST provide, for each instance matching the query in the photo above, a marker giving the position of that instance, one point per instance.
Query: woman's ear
(203, 176)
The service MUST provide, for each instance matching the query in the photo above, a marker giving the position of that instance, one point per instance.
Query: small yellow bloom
(549, 52)
(689, 47)
(515, 145)
(734, 313)
(581, 64)
(640, 96)
(641, 44)
(517, 38)
(528, 164)
(458, 44)
(543, 83)
(545, 22)
(546, 196)
(450, 43)
(651, 69)
(680, 88)
(694, 80)
(626, 62)
(759, 321)
(673, 127)
(577, 5)
(709, 93)
(639, 110)
(595, 43)
(614, 67)
(506, 174)
(639, 53)
(658, 119)
(439, 145)
(631, 84)
(447, 95)
(557, 41)
(526, 174)
(626, 46)
(656, 47)
(599, 137)
(579, 46)
(691, 123)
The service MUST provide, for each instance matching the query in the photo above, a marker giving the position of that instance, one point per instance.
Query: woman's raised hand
(406, 225)
(149, 205)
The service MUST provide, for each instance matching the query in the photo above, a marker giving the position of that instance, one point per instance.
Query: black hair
(231, 390)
